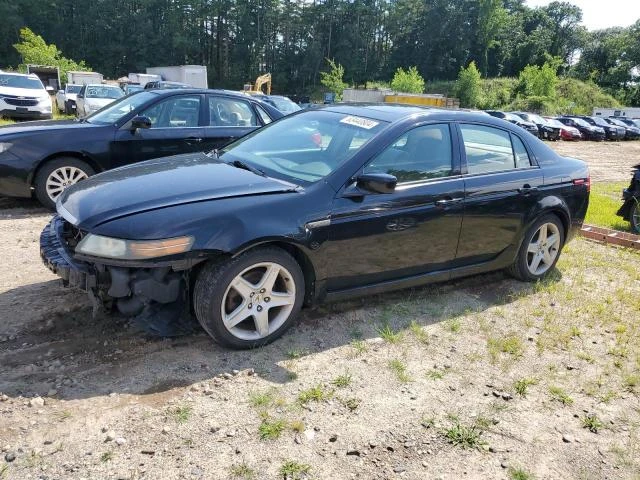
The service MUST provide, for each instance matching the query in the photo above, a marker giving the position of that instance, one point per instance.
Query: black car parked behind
(47, 157)
(588, 131)
(388, 197)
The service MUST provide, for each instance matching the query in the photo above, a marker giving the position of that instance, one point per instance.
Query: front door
(414, 230)
(501, 187)
(175, 128)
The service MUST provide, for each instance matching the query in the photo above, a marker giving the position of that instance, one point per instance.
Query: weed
(261, 399)
(631, 381)
(106, 456)
(400, 369)
(293, 470)
(291, 376)
(351, 403)
(519, 474)
(182, 413)
(421, 335)
(586, 357)
(313, 394)
(388, 335)
(359, 347)
(342, 381)
(296, 353)
(271, 429)
(64, 415)
(436, 374)
(297, 426)
(428, 422)
(592, 423)
(464, 436)
(521, 386)
(243, 471)
(510, 344)
(560, 395)
(453, 325)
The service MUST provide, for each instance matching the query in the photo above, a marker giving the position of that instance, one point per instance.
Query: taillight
(583, 181)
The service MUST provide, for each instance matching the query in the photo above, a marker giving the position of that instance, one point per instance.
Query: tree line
(292, 39)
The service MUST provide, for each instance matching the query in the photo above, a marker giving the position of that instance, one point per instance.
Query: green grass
(559, 395)
(294, 470)
(106, 456)
(592, 423)
(313, 394)
(182, 414)
(388, 335)
(271, 429)
(261, 399)
(242, 470)
(521, 386)
(400, 370)
(519, 474)
(464, 436)
(342, 381)
(604, 202)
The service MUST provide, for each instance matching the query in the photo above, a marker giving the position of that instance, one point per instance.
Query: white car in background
(23, 96)
(66, 99)
(92, 98)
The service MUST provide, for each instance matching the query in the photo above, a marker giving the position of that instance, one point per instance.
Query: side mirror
(140, 122)
(377, 182)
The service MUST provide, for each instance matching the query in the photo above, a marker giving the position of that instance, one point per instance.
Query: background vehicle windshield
(581, 122)
(74, 88)
(18, 81)
(600, 121)
(555, 123)
(305, 147)
(114, 112)
(284, 104)
(103, 92)
(513, 118)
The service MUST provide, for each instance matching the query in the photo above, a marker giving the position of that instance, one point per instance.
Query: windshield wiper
(245, 166)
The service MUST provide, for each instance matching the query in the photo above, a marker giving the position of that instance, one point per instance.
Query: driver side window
(420, 154)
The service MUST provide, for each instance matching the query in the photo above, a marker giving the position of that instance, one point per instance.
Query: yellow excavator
(257, 87)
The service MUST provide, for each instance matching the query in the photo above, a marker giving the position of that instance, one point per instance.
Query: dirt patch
(480, 378)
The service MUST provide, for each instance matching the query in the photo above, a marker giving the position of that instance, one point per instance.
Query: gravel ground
(480, 378)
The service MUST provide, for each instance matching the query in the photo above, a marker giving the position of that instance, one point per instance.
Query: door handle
(447, 202)
(527, 189)
(193, 139)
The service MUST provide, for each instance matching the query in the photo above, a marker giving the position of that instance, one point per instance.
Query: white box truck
(194, 75)
(143, 78)
(84, 78)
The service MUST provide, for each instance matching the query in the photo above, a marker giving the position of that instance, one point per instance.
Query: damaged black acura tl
(320, 205)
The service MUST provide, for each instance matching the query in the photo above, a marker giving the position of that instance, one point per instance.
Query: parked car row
(573, 127)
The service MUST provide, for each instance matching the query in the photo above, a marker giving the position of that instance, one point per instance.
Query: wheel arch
(76, 155)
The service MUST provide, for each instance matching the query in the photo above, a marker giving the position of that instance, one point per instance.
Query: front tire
(58, 174)
(251, 300)
(540, 249)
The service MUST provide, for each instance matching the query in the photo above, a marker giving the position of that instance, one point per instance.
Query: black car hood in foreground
(159, 183)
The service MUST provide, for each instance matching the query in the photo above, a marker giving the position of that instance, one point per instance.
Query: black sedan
(631, 132)
(389, 197)
(46, 157)
(530, 127)
(612, 132)
(588, 131)
(546, 130)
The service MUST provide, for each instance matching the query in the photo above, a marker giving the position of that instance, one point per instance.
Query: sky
(598, 14)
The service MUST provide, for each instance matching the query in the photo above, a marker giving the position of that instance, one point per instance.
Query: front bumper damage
(156, 296)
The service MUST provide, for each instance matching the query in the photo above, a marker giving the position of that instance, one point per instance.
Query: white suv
(23, 96)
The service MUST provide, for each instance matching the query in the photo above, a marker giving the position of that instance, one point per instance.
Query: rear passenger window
(490, 149)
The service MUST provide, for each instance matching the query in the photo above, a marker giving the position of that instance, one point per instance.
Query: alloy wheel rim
(62, 178)
(543, 249)
(258, 301)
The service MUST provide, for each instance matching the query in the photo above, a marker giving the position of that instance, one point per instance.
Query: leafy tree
(332, 80)
(469, 86)
(492, 19)
(409, 81)
(538, 81)
(34, 50)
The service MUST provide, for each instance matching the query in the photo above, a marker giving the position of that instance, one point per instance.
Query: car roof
(16, 74)
(183, 91)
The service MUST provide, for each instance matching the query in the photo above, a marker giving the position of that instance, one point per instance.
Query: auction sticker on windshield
(360, 122)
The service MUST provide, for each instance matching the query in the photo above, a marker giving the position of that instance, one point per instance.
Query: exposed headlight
(117, 248)
(5, 147)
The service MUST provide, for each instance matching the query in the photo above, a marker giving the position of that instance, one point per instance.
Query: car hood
(43, 127)
(160, 183)
(24, 92)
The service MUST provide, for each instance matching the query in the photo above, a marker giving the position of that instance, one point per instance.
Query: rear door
(227, 119)
(502, 183)
(414, 230)
(175, 128)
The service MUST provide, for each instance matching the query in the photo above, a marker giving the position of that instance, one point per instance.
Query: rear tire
(58, 174)
(251, 300)
(634, 216)
(540, 250)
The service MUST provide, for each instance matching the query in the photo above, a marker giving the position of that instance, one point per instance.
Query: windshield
(103, 92)
(305, 147)
(513, 118)
(581, 122)
(20, 81)
(134, 88)
(537, 119)
(555, 123)
(115, 111)
(617, 122)
(74, 88)
(283, 104)
(600, 121)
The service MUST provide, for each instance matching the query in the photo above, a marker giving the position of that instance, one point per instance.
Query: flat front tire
(634, 216)
(250, 300)
(57, 175)
(540, 249)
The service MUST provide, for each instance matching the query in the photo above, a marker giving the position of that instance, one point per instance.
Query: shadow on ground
(81, 356)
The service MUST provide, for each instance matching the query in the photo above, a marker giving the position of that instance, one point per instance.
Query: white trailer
(143, 78)
(84, 78)
(194, 75)
(617, 112)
